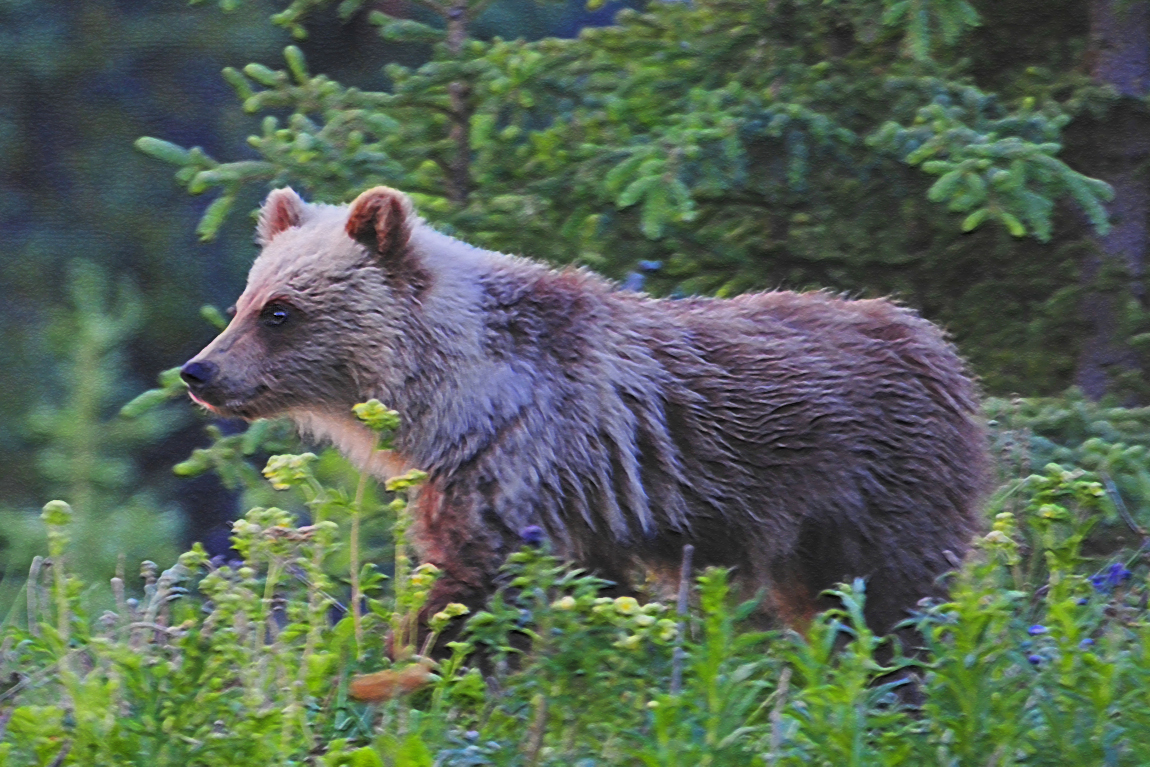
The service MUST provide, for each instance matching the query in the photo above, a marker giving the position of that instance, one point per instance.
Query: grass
(1041, 656)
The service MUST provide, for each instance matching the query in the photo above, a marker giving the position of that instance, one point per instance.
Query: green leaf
(1012, 223)
(263, 75)
(144, 402)
(170, 379)
(975, 185)
(199, 462)
(972, 222)
(239, 83)
(214, 216)
(895, 12)
(406, 481)
(656, 211)
(367, 757)
(163, 150)
(296, 63)
(255, 435)
(413, 752)
(214, 317)
(405, 30)
(944, 188)
(635, 191)
(618, 176)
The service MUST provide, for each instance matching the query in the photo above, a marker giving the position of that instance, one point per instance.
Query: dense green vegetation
(851, 146)
(722, 146)
(1040, 657)
(979, 161)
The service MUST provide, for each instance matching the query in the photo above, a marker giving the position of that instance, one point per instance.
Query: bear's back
(861, 403)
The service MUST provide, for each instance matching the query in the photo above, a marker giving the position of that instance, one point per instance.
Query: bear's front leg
(456, 533)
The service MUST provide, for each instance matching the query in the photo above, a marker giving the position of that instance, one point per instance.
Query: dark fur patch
(537, 319)
(380, 220)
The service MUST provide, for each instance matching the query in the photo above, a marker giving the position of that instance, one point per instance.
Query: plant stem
(33, 591)
(534, 743)
(399, 620)
(684, 594)
(353, 554)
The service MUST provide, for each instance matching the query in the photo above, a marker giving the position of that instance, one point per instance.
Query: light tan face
(314, 294)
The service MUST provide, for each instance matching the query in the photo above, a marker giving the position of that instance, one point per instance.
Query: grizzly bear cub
(799, 438)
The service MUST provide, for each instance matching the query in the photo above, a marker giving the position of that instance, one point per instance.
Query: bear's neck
(353, 439)
(488, 334)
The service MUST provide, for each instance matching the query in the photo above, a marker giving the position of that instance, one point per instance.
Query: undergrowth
(301, 650)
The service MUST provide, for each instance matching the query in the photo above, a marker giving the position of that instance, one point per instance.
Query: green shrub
(86, 453)
(1041, 656)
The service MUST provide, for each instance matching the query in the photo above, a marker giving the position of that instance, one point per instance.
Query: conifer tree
(852, 145)
(86, 454)
(1114, 142)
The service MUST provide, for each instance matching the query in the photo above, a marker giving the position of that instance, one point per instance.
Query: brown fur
(802, 439)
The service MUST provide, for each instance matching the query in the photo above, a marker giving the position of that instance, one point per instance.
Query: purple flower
(532, 535)
(1112, 577)
(1036, 629)
(1034, 659)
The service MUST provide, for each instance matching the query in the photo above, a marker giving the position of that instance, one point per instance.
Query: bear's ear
(282, 210)
(380, 220)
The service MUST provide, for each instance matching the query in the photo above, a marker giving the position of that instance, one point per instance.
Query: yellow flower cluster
(285, 471)
(376, 416)
(637, 621)
(439, 621)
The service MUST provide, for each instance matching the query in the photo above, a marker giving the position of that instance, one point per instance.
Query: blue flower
(1036, 629)
(1111, 578)
(532, 535)
(1034, 659)
(636, 279)
(1086, 643)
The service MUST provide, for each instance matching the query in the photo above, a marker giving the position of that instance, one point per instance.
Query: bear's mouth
(201, 402)
(243, 406)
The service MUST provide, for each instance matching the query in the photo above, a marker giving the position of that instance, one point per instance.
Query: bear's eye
(275, 314)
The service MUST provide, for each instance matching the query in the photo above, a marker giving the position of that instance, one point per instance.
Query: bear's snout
(197, 374)
(221, 392)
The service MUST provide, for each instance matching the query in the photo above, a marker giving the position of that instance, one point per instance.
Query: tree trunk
(1116, 149)
(459, 168)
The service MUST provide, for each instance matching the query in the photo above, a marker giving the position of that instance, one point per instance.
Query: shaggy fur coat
(802, 439)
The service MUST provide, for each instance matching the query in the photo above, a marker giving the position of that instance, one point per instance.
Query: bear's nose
(196, 373)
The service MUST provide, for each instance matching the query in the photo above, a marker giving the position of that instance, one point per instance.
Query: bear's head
(331, 290)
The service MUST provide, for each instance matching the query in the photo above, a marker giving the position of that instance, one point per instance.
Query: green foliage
(689, 139)
(1107, 441)
(1038, 657)
(203, 686)
(87, 452)
(742, 145)
(987, 172)
(928, 22)
(840, 144)
(82, 82)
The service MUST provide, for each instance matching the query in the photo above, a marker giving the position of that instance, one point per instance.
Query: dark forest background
(983, 162)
